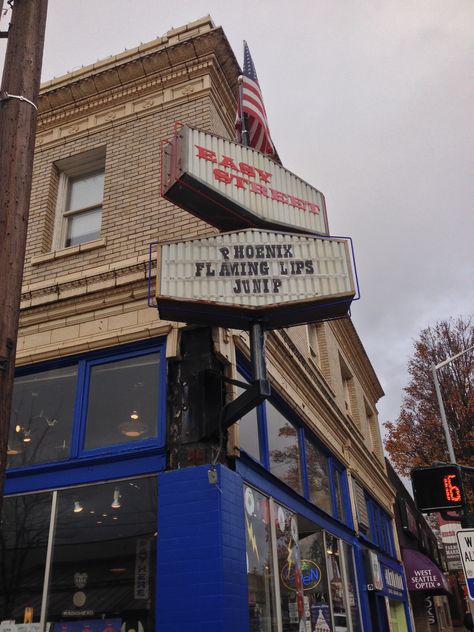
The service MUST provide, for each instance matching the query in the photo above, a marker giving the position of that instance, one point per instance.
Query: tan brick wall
(134, 213)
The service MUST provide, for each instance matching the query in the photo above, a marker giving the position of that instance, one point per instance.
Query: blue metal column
(201, 574)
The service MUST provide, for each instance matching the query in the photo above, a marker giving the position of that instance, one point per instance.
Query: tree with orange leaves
(416, 438)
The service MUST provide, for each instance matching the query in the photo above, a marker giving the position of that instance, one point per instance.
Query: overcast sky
(371, 102)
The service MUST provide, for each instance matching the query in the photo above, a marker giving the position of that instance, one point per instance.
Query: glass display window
(82, 558)
(283, 448)
(88, 406)
(318, 477)
(260, 572)
(248, 428)
(122, 402)
(42, 416)
(23, 551)
(300, 576)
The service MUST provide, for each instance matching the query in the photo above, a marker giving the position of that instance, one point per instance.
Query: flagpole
(244, 135)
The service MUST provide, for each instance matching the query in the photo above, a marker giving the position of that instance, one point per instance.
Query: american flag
(251, 102)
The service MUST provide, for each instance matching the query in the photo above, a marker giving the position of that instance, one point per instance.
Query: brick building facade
(110, 410)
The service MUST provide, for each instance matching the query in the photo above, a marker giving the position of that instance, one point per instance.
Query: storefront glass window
(315, 580)
(339, 496)
(123, 401)
(283, 448)
(261, 578)
(104, 556)
(248, 429)
(289, 569)
(42, 417)
(23, 546)
(337, 585)
(351, 582)
(318, 477)
(102, 566)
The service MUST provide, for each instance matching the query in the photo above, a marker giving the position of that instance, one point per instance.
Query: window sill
(67, 252)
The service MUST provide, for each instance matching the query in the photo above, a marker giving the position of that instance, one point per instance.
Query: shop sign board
(465, 539)
(236, 278)
(232, 186)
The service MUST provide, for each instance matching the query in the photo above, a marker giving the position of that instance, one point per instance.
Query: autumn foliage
(416, 438)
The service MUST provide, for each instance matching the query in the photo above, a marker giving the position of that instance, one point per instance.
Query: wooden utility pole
(18, 99)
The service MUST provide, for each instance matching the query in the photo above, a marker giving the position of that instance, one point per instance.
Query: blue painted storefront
(201, 571)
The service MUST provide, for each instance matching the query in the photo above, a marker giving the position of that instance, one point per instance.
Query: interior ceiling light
(27, 436)
(13, 451)
(116, 501)
(134, 415)
(77, 507)
(133, 428)
(18, 428)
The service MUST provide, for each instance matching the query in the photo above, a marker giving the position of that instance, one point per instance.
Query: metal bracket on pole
(4, 96)
(255, 392)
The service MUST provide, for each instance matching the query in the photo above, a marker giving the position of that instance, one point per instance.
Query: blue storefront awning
(422, 573)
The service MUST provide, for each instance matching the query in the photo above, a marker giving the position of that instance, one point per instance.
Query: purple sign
(422, 573)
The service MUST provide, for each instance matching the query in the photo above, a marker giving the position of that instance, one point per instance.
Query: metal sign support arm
(256, 392)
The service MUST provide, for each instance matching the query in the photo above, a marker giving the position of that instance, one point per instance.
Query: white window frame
(83, 164)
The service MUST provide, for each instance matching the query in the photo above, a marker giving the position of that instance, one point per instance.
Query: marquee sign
(232, 279)
(233, 187)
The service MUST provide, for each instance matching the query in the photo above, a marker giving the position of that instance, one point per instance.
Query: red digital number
(453, 493)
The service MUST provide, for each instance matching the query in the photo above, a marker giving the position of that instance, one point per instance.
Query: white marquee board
(232, 186)
(231, 279)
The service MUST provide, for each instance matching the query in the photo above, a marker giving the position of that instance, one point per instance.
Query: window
(318, 477)
(100, 402)
(102, 567)
(347, 385)
(80, 197)
(299, 576)
(248, 428)
(313, 343)
(380, 528)
(283, 447)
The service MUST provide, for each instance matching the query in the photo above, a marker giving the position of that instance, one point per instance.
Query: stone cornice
(175, 58)
(84, 283)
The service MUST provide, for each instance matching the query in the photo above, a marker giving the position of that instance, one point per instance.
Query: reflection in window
(336, 584)
(84, 208)
(315, 579)
(103, 557)
(42, 416)
(283, 448)
(289, 570)
(123, 401)
(248, 429)
(351, 582)
(104, 554)
(23, 544)
(261, 579)
(338, 494)
(318, 477)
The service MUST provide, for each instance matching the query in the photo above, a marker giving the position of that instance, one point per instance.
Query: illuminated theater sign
(234, 187)
(233, 279)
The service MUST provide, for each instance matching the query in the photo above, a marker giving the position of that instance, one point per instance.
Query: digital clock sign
(438, 488)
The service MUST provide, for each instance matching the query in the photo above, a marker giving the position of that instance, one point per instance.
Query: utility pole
(18, 108)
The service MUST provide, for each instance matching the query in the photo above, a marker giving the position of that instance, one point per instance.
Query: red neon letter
(453, 493)
(207, 154)
(228, 162)
(222, 176)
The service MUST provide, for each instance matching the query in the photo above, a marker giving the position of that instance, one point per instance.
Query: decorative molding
(84, 283)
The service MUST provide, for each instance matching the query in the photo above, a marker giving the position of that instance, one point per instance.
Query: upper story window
(271, 435)
(347, 385)
(80, 198)
(96, 403)
(313, 343)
